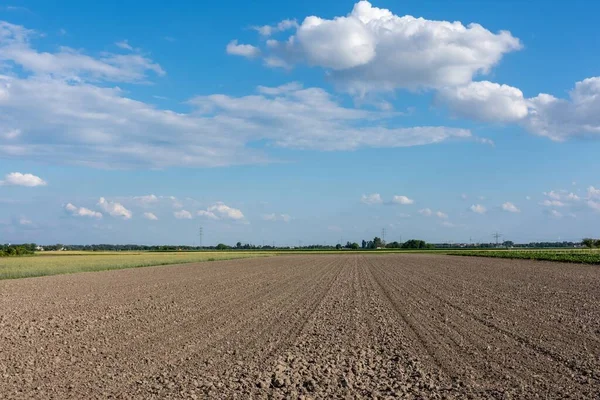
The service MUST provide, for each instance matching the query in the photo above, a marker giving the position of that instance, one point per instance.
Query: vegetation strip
(572, 256)
(43, 264)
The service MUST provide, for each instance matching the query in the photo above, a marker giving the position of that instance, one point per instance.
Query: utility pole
(201, 234)
(497, 236)
(383, 236)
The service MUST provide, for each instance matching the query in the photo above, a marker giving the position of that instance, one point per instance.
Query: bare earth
(314, 326)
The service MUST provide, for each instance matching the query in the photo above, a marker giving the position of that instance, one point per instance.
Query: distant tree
(15, 250)
(238, 245)
(222, 246)
(354, 246)
(588, 242)
(508, 243)
(338, 246)
(597, 242)
(377, 242)
(393, 245)
(364, 244)
(416, 244)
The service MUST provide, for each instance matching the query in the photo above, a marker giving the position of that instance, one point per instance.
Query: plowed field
(312, 326)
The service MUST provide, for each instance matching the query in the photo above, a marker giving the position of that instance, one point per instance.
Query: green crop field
(582, 256)
(65, 262)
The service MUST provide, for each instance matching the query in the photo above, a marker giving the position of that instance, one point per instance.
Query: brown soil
(314, 326)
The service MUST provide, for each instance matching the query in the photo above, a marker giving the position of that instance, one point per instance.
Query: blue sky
(312, 121)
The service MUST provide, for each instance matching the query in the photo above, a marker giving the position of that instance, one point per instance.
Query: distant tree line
(591, 243)
(375, 243)
(9, 250)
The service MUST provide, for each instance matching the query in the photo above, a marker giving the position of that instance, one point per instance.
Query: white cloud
(374, 198)
(593, 193)
(448, 224)
(485, 101)
(478, 209)
(560, 119)
(146, 200)
(373, 49)
(553, 195)
(277, 217)
(426, 212)
(441, 215)
(182, 214)
(150, 216)
(123, 44)
(81, 211)
(207, 214)
(225, 212)
(69, 63)
(244, 50)
(552, 203)
(284, 89)
(19, 179)
(318, 122)
(555, 214)
(175, 202)
(97, 126)
(594, 205)
(510, 207)
(268, 30)
(543, 115)
(113, 208)
(402, 200)
(25, 221)
(11, 134)
(221, 211)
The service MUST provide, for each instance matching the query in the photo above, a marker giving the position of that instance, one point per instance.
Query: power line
(497, 236)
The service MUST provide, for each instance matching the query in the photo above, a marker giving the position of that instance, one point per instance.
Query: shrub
(15, 250)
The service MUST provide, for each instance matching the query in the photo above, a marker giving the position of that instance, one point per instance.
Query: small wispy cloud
(478, 209)
(81, 211)
(150, 216)
(182, 214)
(277, 217)
(374, 198)
(124, 44)
(402, 200)
(510, 207)
(114, 209)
